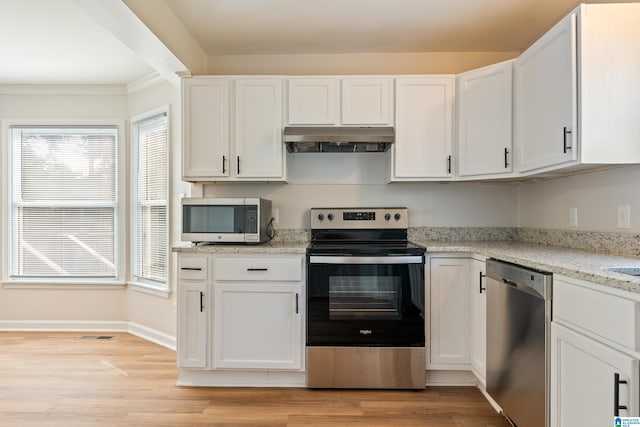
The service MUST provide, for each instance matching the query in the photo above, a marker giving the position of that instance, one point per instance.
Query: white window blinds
(150, 251)
(63, 202)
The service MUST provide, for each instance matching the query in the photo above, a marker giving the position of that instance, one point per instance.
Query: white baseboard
(451, 378)
(152, 335)
(133, 328)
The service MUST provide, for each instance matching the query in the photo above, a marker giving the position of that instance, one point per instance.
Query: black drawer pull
(257, 269)
(482, 288)
(191, 268)
(201, 302)
(449, 164)
(616, 395)
(506, 158)
(224, 163)
(566, 147)
(297, 303)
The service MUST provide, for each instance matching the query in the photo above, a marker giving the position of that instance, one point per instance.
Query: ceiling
(58, 42)
(54, 42)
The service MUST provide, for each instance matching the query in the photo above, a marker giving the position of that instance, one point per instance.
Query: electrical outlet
(573, 217)
(624, 216)
(275, 213)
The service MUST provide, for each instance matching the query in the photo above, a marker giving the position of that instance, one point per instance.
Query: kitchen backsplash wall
(596, 196)
(429, 204)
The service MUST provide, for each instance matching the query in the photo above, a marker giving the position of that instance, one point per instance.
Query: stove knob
(330, 217)
(387, 217)
(397, 217)
(320, 217)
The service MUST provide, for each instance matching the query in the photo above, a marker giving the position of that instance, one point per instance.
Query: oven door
(365, 301)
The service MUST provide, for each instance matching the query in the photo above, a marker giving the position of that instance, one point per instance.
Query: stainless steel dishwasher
(518, 326)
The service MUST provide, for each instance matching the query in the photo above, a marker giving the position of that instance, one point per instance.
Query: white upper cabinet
(232, 129)
(367, 101)
(205, 121)
(484, 139)
(577, 92)
(258, 128)
(334, 101)
(424, 128)
(313, 101)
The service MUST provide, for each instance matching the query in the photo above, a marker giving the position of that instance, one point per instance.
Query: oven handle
(366, 260)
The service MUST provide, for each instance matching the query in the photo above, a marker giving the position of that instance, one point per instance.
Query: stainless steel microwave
(225, 220)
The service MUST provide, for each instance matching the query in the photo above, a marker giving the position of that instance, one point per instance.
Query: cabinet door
(257, 326)
(258, 128)
(546, 100)
(449, 302)
(582, 380)
(424, 128)
(193, 331)
(478, 317)
(367, 101)
(205, 118)
(312, 101)
(484, 120)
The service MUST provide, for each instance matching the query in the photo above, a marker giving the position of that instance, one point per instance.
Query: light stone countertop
(569, 262)
(262, 248)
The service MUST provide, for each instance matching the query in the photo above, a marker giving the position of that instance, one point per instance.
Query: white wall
(155, 311)
(433, 205)
(18, 304)
(597, 196)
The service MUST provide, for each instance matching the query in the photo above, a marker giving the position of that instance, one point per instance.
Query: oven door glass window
(364, 297)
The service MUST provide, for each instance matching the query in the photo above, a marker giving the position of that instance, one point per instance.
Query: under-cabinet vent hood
(332, 139)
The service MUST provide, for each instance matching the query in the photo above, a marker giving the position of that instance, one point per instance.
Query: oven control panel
(359, 218)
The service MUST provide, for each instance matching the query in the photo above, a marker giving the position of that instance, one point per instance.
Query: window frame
(120, 222)
(139, 283)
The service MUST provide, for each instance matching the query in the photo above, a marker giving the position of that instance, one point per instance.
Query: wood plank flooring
(57, 379)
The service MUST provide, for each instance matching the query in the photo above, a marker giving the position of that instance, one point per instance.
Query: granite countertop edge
(573, 263)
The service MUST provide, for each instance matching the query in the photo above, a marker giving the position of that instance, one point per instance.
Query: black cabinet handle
(191, 268)
(616, 394)
(224, 164)
(482, 288)
(566, 147)
(449, 164)
(201, 302)
(506, 158)
(257, 269)
(297, 303)
(238, 161)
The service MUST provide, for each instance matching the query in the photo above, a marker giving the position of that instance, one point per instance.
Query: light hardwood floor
(57, 379)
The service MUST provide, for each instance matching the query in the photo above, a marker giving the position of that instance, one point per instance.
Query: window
(64, 202)
(150, 244)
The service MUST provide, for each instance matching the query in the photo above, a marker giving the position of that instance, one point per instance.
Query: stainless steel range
(365, 300)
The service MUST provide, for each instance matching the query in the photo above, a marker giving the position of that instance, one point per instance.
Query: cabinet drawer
(192, 268)
(258, 269)
(610, 317)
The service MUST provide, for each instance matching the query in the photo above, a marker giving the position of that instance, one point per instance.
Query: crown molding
(63, 90)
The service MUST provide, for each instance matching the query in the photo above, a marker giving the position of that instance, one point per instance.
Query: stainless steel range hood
(331, 139)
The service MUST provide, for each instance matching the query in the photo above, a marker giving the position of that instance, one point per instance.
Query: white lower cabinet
(448, 342)
(240, 320)
(257, 326)
(594, 358)
(478, 319)
(193, 311)
(193, 325)
(583, 390)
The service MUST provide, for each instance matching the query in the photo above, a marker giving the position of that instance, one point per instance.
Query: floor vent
(95, 337)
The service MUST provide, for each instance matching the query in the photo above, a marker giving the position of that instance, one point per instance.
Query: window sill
(151, 290)
(19, 284)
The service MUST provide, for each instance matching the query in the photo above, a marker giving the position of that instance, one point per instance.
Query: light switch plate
(573, 217)
(624, 216)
